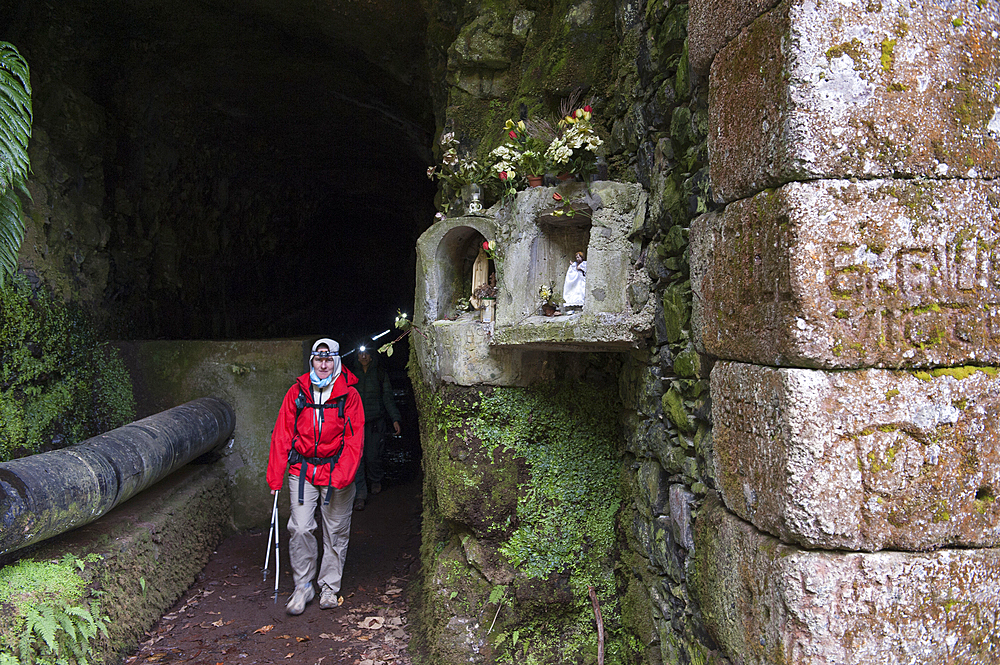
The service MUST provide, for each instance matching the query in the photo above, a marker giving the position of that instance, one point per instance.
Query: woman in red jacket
(319, 437)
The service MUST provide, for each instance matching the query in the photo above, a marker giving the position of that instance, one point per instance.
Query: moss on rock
(520, 479)
(59, 384)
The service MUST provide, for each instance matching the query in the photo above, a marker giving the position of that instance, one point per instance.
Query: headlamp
(325, 354)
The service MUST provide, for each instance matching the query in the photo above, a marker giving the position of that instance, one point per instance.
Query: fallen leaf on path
(282, 637)
(289, 655)
(265, 629)
(219, 624)
(393, 590)
(303, 639)
(372, 623)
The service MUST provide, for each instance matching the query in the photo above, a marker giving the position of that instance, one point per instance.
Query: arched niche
(459, 253)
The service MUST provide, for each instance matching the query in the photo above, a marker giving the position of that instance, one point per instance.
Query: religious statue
(575, 286)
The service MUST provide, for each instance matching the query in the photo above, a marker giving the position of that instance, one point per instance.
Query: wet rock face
(771, 603)
(188, 157)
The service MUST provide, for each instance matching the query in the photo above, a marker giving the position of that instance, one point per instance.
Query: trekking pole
(277, 556)
(270, 535)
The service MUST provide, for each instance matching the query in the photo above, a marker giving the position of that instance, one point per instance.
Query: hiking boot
(300, 597)
(359, 504)
(376, 488)
(328, 599)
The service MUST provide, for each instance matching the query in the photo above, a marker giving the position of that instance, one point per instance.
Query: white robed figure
(575, 286)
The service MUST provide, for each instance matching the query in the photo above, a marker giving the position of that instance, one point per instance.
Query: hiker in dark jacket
(376, 395)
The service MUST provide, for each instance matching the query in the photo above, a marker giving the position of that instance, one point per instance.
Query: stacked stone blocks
(848, 288)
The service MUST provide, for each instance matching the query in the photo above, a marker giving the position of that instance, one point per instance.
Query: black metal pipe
(50, 493)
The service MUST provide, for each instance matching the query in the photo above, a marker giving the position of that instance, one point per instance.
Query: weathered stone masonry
(854, 147)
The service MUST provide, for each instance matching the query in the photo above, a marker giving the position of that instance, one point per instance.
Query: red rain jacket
(348, 432)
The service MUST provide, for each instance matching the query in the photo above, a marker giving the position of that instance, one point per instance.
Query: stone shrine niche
(458, 260)
(555, 246)
(547, 227)
(537, 235)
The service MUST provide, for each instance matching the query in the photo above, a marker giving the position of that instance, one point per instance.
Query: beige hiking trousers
(302, 545)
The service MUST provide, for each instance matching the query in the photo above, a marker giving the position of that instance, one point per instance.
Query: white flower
(558, 152)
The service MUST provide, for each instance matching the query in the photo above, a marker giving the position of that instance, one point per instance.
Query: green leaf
(46, 628)
(67, 625)
(31, 617)
(15, 130)
(11, 232)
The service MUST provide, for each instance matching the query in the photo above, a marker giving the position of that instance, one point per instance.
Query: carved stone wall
(854, 150)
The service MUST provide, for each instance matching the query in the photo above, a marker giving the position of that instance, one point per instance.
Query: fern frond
(68, 626)
(15, 109)
(15, 130)
(12, 61)
(11, 232)
(46, 628)
(31, 617)
(84, 622)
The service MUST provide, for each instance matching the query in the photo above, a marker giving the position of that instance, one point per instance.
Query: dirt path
(229, 614)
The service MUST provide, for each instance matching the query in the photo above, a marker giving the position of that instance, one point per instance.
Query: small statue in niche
(575, 286)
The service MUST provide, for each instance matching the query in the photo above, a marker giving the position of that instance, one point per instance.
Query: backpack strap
(295, 457)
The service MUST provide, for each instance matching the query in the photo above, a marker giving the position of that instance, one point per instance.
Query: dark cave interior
(259, 167)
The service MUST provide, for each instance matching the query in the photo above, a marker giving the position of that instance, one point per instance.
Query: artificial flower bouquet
(575, 148)
(519, 156)
(454, 172)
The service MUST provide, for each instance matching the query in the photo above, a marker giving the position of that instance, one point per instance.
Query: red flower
(512, 134)
(486, 244)
(557, 196)
(588, 109)
(503, 175)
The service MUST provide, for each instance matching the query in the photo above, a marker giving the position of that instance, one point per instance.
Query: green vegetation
(955, 372)
(15, 130)
(538, 468)
(569, 507)
(887, 46)
(852, 49)
(46, 618)
(58, 384)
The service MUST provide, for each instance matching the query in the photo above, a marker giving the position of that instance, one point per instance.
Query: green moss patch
(534, 473)
(46, 616)
(59, 384)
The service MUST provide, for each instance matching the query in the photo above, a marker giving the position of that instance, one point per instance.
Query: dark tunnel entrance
(231, 171)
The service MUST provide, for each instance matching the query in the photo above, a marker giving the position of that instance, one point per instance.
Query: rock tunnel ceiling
(215, 169)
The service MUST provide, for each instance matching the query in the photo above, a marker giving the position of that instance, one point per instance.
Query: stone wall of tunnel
(633, 65)
(731, 543)
(175, 212)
